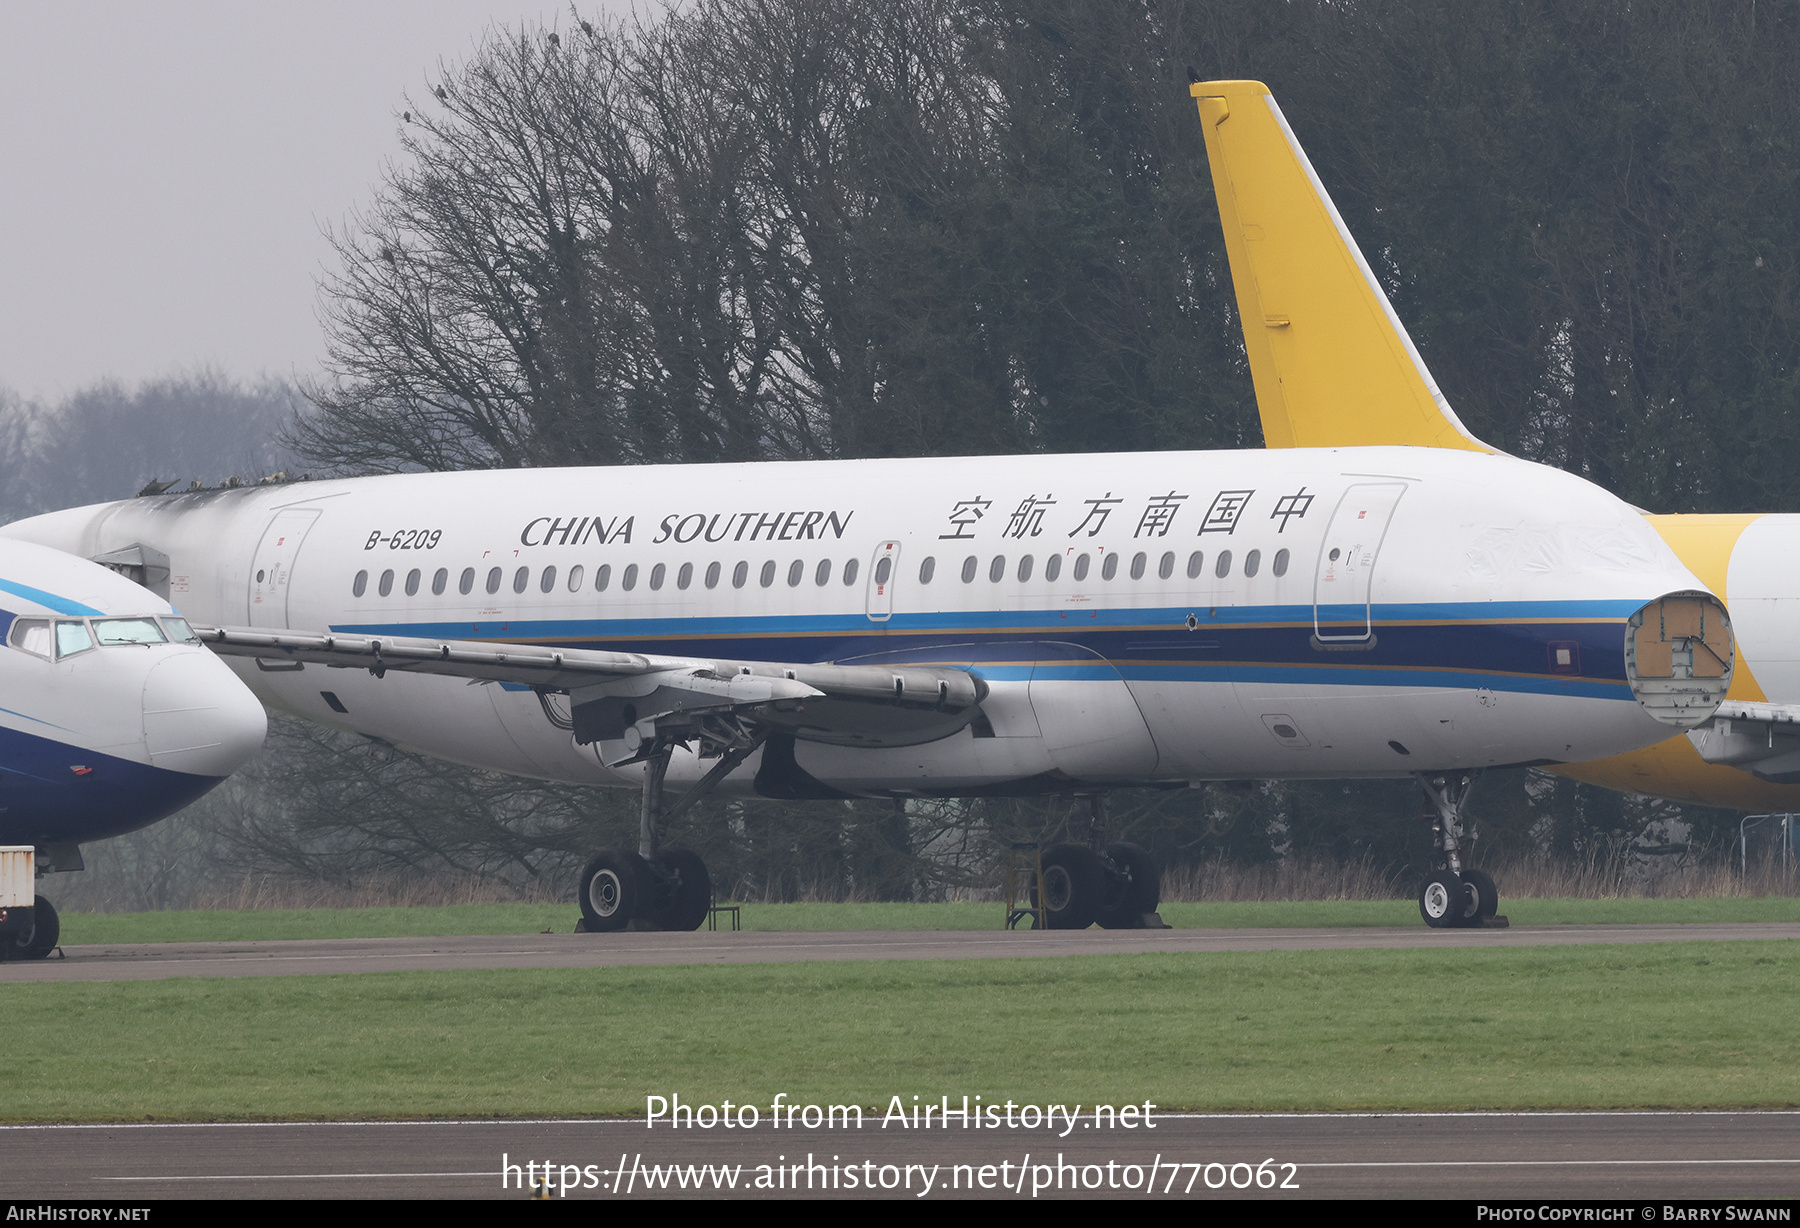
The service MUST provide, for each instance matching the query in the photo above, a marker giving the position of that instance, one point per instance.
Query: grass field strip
(449, 1122)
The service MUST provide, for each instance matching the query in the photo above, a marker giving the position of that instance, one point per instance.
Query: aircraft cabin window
(712, 575)
(1196, 564)
(927, 569)
(386, 584)
(768, 573)
(822, 576)
(547, 581)
(685, 576)
(112, 632)
(1222, 567)
(1024, 568)
(884, 567)
(493, 580)
(440, 580)
(997, 569)
(360, 585)
(1166, 567)
(31, 635)
(1109, 567)
(1138, 562)
(1252, 562)
(850, 569)
(969, 566)
(1081, 567)
(179, 631)
(521, 578)
(1280, 564)
(656, 577)
(740, 575)
(465, 584)
(628, 580)
(412, 583)
(72, 638)
(602, 575)
(577, 574)
(796, 573)
(1053, 567)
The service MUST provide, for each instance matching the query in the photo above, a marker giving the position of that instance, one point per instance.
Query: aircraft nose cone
(198, 718)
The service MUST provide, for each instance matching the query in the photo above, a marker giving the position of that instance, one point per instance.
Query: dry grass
(1598, 877)
(259, 892)
(1616, 874)
(1292, 878)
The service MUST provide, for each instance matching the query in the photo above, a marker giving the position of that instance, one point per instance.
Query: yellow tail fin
(1333, 366)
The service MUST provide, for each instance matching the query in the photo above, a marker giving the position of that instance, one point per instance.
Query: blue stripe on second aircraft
(50, 601)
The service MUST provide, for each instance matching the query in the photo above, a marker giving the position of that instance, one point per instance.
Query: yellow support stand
(1023, 897)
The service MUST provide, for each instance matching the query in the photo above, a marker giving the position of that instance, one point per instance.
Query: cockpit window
(31, 635)
(72, 638)
(179, 631)
(115, 631)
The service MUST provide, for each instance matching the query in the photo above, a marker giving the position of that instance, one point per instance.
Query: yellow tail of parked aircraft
(1334, 367)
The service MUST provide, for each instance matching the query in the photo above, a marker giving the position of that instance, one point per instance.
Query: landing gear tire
(1443, 901)
(688, 894)
(1135, 891)
(41, 939)
(1073, 887)
(613, 890)
(1484, 897)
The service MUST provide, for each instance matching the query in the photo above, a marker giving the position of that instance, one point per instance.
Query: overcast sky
(165, 170)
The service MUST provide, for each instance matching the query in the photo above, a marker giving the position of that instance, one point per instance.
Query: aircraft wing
(613, 695)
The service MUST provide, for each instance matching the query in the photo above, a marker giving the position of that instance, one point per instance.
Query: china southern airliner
(113, 716)
(954, 627)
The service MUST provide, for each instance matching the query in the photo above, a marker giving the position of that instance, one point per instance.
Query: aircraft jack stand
(1024, 899)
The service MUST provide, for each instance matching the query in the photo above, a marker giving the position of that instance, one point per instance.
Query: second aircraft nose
(198, 717)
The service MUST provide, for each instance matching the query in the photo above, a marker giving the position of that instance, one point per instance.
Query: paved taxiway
(1539, 1156)
(154, 961)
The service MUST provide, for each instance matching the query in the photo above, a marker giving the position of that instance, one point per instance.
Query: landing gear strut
(657, 888)
(1455, 895)
(1114, 883)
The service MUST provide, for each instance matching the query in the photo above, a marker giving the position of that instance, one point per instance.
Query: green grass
(1663, 1025)
(255, 925)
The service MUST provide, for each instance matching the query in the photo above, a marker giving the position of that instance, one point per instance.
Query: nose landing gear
(1455, 895)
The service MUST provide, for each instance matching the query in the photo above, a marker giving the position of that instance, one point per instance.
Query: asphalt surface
(1632, 1158)
(154, 961)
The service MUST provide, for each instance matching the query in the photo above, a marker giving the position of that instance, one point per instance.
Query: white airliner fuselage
(1135, 618)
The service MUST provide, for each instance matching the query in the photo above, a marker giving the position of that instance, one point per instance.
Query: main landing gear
(37, 939)
(1116, 884)
(1455, 895)
(656, 888)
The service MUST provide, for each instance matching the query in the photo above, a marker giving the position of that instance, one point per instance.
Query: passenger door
(1347, 561)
